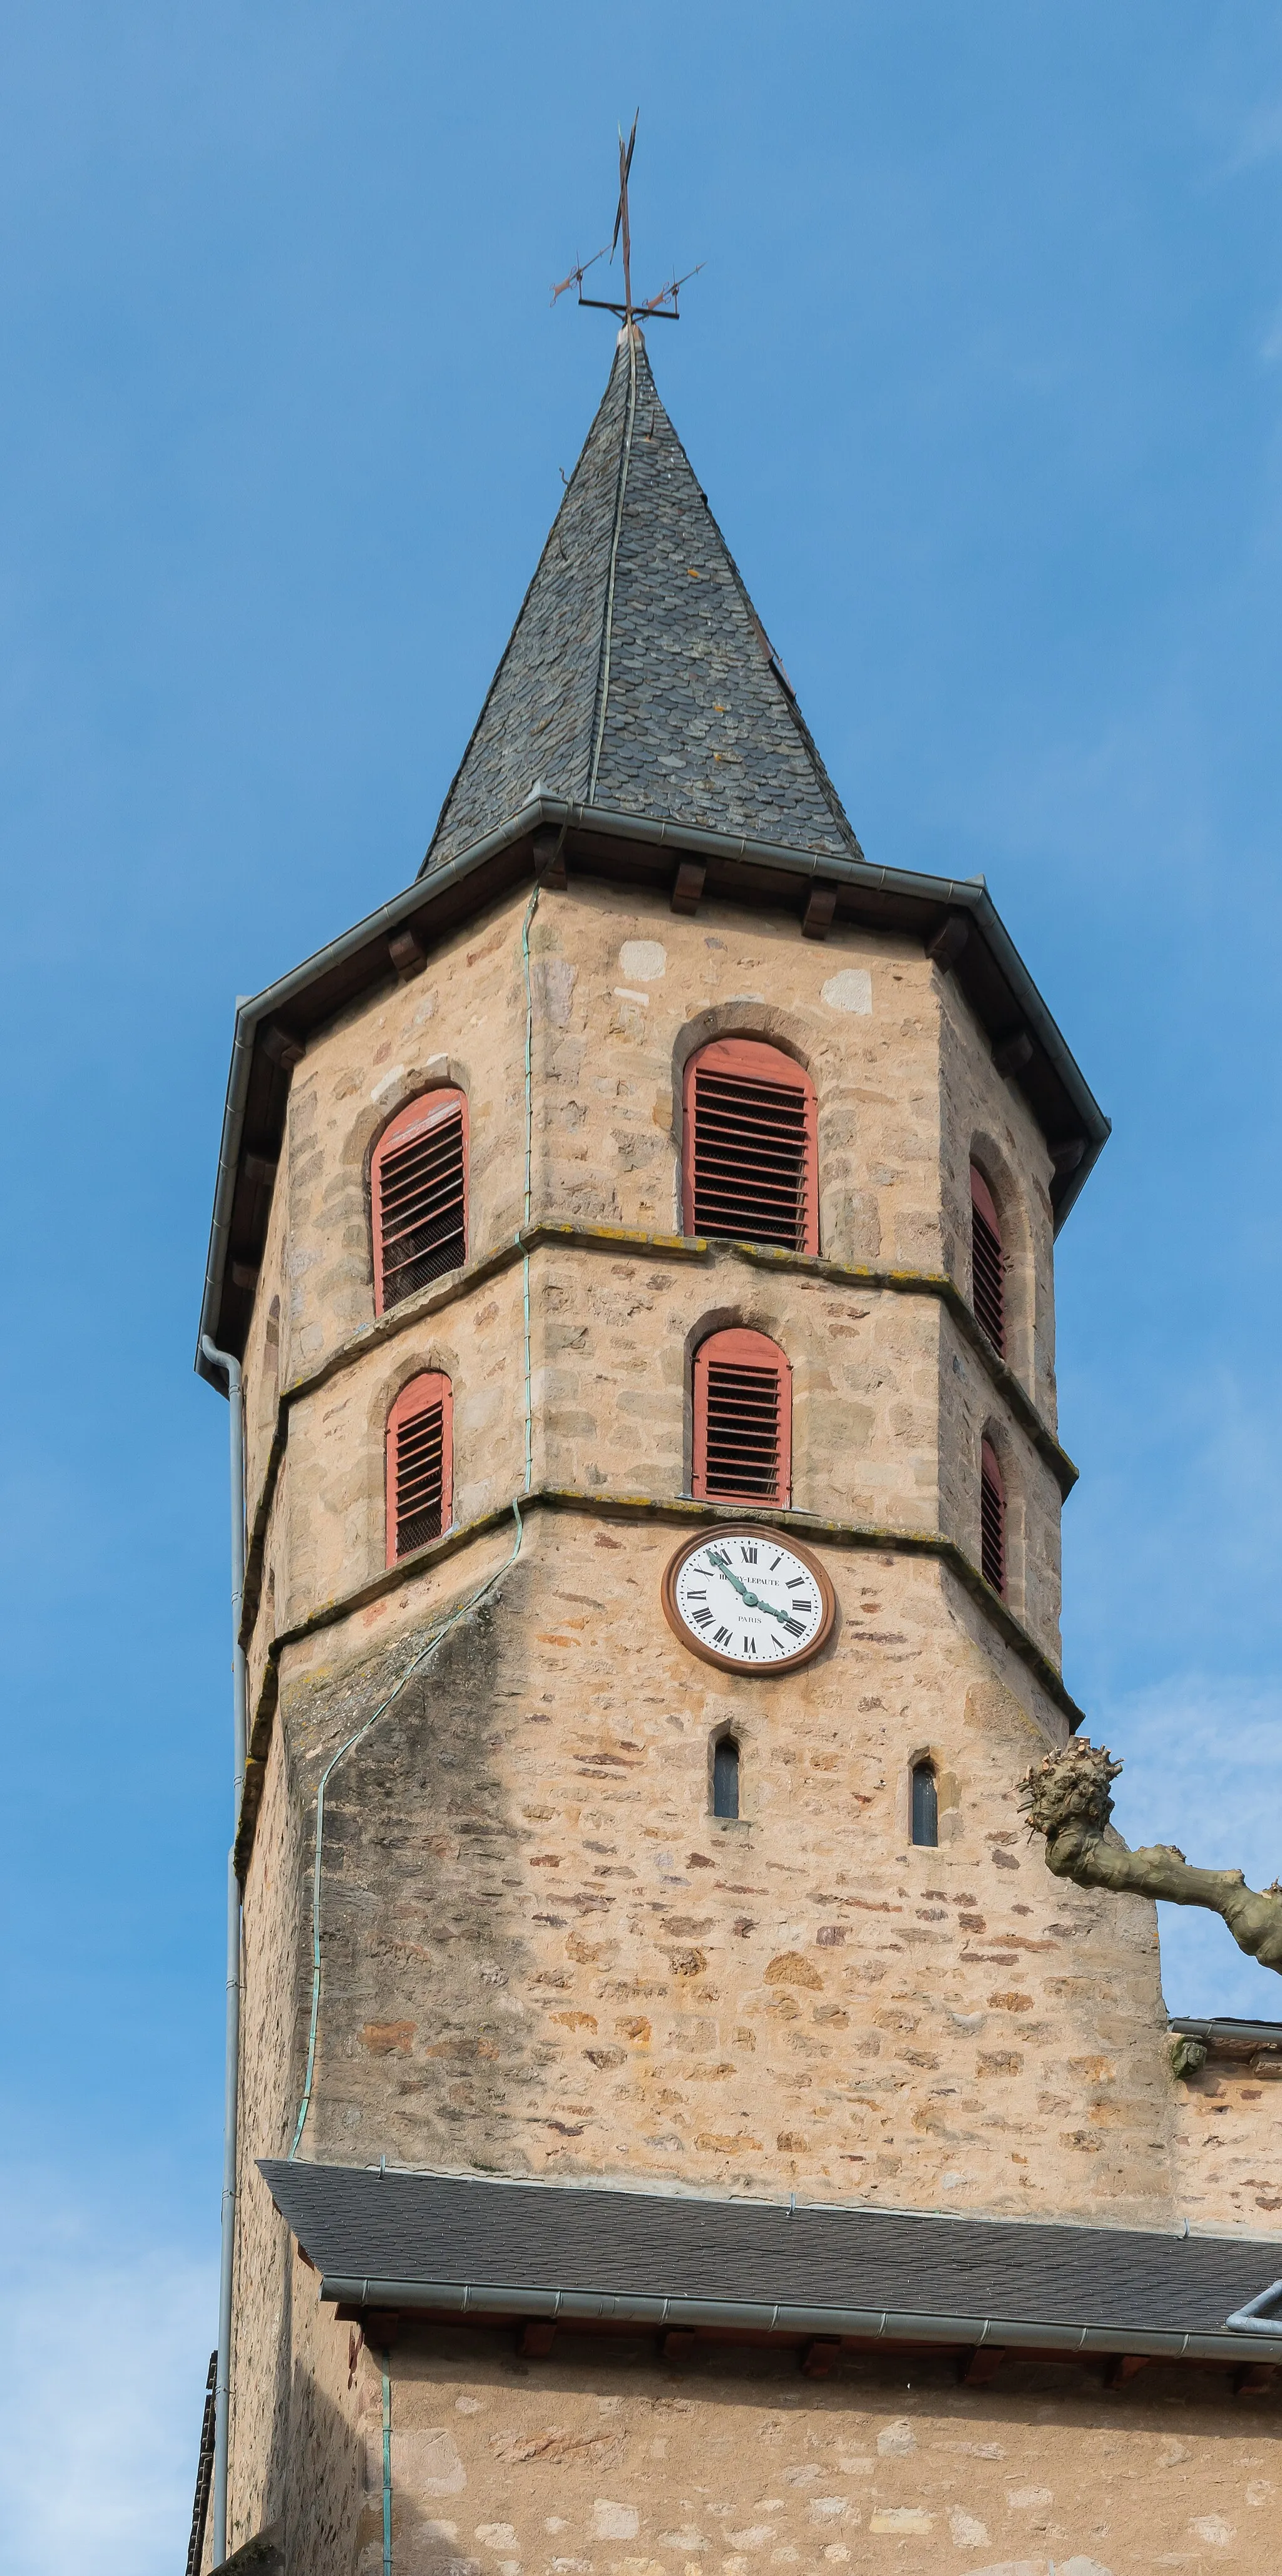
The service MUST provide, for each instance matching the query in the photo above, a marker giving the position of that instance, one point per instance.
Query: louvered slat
(743, 1433)
(987, 1283)
(751, 1159)
(420, 1478)
(422, 1210)
(992, 1530)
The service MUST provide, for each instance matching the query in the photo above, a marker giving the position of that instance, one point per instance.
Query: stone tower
(536, 1889)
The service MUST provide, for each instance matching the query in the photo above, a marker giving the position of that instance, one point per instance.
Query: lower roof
(478, 2246)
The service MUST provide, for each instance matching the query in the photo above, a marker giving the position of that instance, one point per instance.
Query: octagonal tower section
(541, 1949)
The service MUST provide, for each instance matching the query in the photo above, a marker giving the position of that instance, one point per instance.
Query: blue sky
(984, 378)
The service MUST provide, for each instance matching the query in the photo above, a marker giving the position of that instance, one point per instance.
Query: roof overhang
(1228, 2037)
(273, 1028)
(476, 2247)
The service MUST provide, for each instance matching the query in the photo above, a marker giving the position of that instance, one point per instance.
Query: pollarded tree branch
(1066, 1797)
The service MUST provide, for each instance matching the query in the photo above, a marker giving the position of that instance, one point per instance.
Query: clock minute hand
(753, 1600)
(749, 1598)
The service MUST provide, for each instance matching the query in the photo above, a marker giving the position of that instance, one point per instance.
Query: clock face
(748, 1600)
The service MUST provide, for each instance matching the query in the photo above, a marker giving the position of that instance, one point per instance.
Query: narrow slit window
(925, 1805)
(742, 1420)
(420, 1464)
(992, 1519)
(751, 1146)
(987, 1266)
(419, 1189)
(725, 1776)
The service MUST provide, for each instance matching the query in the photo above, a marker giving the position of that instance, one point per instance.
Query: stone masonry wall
(543, 1953)
(614, 1336)
(891, 1404)
(987, 1120)
(609, 1055)
(1228, 2172)
(275, 1948)
(605, 2460)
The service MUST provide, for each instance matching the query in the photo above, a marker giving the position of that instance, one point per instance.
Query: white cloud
(102, 2382)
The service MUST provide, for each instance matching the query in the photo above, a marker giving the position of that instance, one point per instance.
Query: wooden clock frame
(759, 1530)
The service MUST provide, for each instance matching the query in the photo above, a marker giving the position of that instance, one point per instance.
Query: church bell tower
(638, 1239)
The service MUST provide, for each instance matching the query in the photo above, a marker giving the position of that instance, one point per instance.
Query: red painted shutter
(419, 1183)
(742, 1420)
(420, 1464)
(992, 1519)
(750, 1147)
(987, 1280)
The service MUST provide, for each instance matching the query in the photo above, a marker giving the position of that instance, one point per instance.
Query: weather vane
(662, 307)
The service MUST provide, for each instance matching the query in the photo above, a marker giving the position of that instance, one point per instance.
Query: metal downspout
(227, 2252)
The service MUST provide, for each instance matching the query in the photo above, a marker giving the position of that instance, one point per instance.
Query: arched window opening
(420, 1464)
(742, 1420)
(925, 1805)
(987, 1269)
(992, 1519)
(750, 1146)
(725, 1776)
(419, 1182)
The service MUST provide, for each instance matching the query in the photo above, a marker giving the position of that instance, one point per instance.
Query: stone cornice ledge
(666, 1247)
(606, 1506)
(706, 1250)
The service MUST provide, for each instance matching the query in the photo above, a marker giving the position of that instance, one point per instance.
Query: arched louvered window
(419, 1188)
(420, 1464)
(725, 1776)
(751, 1146)
(987, 1280)
(925, 1805)
(992, 1518)
(742, 1420)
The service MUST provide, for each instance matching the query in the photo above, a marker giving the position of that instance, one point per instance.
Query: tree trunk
(1066, 1798)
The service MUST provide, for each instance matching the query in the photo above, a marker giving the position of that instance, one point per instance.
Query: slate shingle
(438, 2228)
(638, 676)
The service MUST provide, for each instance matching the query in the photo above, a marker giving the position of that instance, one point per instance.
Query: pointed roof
(638, 678)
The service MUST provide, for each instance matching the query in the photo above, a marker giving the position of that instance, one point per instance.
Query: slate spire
(638, 677)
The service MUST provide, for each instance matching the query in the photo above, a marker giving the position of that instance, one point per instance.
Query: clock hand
(751, 1600)
(741, 1588)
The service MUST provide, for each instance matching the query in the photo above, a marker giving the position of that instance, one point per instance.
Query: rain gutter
(1226, 2033)
(878, 2325)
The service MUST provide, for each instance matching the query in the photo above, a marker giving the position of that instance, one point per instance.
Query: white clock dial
(745, 1598)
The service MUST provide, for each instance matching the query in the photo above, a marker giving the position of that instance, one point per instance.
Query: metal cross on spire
(662, 307)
